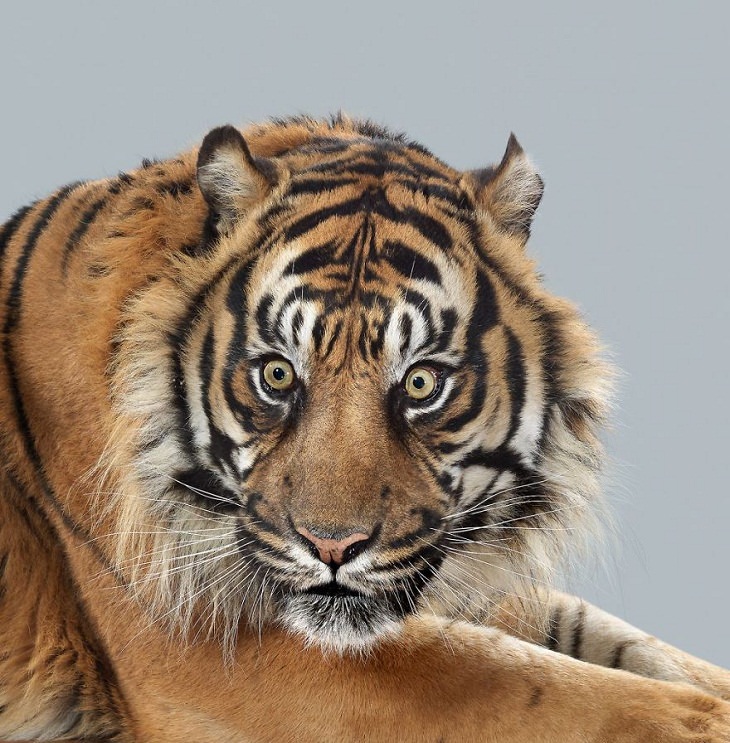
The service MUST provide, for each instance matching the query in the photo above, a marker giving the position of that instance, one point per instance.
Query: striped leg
(582, 631)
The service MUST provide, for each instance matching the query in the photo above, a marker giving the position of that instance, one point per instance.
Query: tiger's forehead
(359, 285)
(364, 157)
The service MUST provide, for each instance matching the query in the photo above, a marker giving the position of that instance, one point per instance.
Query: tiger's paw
(671, 715)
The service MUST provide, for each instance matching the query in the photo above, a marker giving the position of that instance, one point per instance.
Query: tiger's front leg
(439, 681)
(581, 630)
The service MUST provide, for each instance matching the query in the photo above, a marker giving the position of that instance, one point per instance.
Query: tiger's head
(356, 400)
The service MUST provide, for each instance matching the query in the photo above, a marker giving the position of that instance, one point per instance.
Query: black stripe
(516, 382)
(202, 485)
(618, 654)
(174, 188)
(552, 638)
(205, 370)
(85, 221)
(221, 447)
(179, 337)
(406, 329)
(409, 263)
(296, 327)
(263, 321)
(447, 193)
(308, 222)
(377, 165)
(314, 259)
(333, 339)
(430, 521)
(362, 340)
(422, 307)
(500, 459)
(11, 227)
(576, 646)
(318, 330)
(21, 416)
(449, 320)
(377, 343)
(15, 295)
(3, 565)
(318, 185)
(484, 316)
(429, 227)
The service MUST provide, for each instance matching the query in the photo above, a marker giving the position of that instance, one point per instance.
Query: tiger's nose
(336, 551)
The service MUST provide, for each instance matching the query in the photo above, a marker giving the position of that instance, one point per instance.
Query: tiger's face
(373, 408)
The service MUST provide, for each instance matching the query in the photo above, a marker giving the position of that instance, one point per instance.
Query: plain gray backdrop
(624, 106)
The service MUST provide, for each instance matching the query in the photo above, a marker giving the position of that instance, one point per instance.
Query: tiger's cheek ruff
(175, 541)
(533, 512)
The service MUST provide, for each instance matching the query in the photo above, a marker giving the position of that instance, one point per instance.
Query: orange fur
(111, 624)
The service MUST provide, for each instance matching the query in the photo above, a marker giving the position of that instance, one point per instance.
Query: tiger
(294, 443)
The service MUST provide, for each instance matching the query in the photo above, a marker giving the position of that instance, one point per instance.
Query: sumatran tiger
(292, 440)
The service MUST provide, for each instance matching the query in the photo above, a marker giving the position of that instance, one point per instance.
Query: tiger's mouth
(341, 619)
(334, 589)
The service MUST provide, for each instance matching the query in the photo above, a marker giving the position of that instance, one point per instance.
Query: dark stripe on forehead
(363, 164)
(304, 224)
(319, 185)
(374, 202)
(449, 194)
(409, 263)
(429, 227)
(313, 259)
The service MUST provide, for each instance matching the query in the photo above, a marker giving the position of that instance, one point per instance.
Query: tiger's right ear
(230, 177)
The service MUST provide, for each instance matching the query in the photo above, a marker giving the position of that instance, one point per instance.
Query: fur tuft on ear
(511, 191)
(230, 177)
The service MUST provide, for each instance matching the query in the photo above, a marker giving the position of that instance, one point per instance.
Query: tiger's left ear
(511, 191)
(230, 177)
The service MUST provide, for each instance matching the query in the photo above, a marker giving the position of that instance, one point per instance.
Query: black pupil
(419, 383)
(278, 373)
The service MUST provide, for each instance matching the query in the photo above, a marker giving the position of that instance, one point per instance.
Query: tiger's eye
(279, 374)
(420, 383)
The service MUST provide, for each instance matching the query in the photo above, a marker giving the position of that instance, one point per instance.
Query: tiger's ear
(510, 191)
(230, 177)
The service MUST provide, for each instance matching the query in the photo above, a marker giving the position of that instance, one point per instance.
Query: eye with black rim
(422, 382)
(278, 375)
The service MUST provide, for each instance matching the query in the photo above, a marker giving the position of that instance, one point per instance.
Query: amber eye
(420, 382)
(279, 374)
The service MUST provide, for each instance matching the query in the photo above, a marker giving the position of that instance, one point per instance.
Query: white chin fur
(339, 625)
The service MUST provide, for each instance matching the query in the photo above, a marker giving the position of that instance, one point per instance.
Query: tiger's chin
(341, 623)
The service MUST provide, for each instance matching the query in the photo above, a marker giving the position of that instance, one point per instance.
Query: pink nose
(337, 551)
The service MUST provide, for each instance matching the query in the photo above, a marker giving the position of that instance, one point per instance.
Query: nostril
(353, 550)
(332, 550)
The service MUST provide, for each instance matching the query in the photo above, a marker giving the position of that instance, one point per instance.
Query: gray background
(624, 106)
